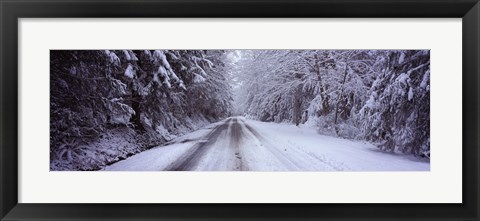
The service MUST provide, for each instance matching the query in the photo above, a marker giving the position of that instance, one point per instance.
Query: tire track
(236, 136)
(189, 160)
(221, 149)
(287, 159)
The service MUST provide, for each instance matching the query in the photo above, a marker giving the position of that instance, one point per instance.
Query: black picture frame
(12, 10)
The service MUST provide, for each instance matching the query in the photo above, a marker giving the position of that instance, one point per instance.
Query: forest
(108, 105)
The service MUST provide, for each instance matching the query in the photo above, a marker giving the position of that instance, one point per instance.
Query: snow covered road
(238, 144)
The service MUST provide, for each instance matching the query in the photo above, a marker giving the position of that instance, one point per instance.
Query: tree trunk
(297, 112)
(341, 94)
(325, 102)
(135, 120)
(340, 98)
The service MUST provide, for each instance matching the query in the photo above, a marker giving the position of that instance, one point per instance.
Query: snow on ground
(241, 144)
(160, 157)
(346, 154)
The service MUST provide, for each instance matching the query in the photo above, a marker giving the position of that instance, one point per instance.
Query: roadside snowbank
(117, 144)
(353, 155)
(160, 157)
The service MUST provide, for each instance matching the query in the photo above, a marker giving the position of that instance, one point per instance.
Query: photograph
(240, 110)
(223, 110)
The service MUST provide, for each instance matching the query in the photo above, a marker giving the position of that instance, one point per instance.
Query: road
(237, 144)
(231, 130)
(229, 145)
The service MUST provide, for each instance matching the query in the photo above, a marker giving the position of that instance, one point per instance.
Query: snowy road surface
(238, 144)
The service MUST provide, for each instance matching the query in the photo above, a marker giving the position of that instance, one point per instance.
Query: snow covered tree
(85, 95)
(378, 95)
(157, 94)
(397, 114)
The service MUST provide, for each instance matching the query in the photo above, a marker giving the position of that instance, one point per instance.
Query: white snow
(403, 78)
(410, 94)
(198, 78)
(425, 80)
(147, 52)
(347, 154)
(163, 72)
(401, 58)
(272, 147)
(160, 157)
(113, 57)
(129, 72)
(160, 56)
(130, 56)
(371, 101)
